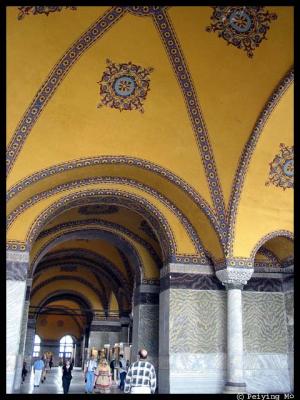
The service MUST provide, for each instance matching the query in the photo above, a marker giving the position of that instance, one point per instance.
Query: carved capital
(234, 277)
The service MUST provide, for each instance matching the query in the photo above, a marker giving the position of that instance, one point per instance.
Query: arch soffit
(247, 153)
(289, 235)
(117, 197)
(183, 220)
(93, 229)
(87, 283)
(69, 284)
(119, 241)
(89, 256)
(140, 173)
(96, 263)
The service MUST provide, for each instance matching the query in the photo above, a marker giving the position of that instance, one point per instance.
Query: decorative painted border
(138, 272)
(12, 245)
(131, 161)
(145, 11)
(54, 79)
(247, 154)
(269, 236)
(186, 259)
(124, 181)
(183, 76)
(105, 223)
(117, 197)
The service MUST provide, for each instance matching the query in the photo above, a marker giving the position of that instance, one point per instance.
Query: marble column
(234, 279)
(16, 272)
(145, 321)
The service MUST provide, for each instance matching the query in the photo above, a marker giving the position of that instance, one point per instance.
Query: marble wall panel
(264, 325)
(197, 373)
(266, 373)
(197, 321)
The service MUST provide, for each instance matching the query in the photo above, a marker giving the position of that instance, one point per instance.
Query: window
(37, 346)
(66, 347)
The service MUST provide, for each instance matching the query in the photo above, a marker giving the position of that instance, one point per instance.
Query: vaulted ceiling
(187, 111)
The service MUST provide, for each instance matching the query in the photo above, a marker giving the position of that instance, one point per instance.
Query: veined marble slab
(267, 373)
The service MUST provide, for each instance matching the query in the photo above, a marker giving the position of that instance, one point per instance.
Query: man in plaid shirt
(141, 377)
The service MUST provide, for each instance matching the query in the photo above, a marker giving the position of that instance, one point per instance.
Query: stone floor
(53, 383)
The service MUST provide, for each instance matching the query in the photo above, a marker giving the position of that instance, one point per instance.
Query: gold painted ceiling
(183, 110)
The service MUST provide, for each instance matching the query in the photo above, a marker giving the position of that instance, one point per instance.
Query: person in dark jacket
(50, 363)
(24, 371)
(67, 376)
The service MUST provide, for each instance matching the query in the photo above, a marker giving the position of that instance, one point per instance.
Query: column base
(233, 387)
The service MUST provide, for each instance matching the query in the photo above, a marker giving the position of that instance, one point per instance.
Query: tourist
(90, 368)
(38, 367)
(50, 363)
(103, 377)
(24, 371)
(141, 377)
(67, 376)
(44, 372)
(112, 367)
(122, 371)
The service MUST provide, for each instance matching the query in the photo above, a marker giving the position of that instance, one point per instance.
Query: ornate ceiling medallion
(124, 86)
(26, 10)
(282, 168)
(242, 26)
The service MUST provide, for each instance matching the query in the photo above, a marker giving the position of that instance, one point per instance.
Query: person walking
(44, 372)
(50, 363)
(103, 377)
(67, 376)
(90, 368)
(24, 371)
(112, 367)
(141, 376)
(122, 371)
(38, 367)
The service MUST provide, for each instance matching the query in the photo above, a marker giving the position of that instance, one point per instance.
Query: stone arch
(87, 233)
(269, 236)
(128, 200)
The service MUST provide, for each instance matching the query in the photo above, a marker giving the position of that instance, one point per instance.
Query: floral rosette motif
(124, 86)
(242, 26)
(282, 168)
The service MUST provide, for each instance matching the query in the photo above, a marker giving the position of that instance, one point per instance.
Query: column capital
(234, 277)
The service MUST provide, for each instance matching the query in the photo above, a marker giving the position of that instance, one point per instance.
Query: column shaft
(235, 374)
